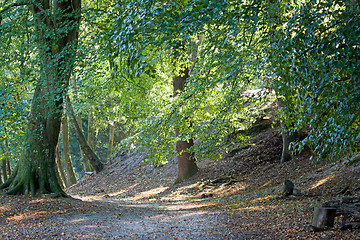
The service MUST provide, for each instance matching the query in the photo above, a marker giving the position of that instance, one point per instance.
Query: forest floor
(237, 197)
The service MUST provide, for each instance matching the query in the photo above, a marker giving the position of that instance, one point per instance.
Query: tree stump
(288, 188)
(323, 217)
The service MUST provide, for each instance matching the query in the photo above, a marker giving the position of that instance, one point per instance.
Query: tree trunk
(4, 170)
(8, 167)
(111, 139)
(61, 168)
(86, 163)
(36, 171)
(94, 160)
(287, 138)
(187, 166)
(66, 147)
(286, 154)
(91, 131)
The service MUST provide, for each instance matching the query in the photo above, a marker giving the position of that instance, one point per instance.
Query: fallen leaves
(142, 202)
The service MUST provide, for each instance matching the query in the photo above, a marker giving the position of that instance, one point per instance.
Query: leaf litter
(238, 197)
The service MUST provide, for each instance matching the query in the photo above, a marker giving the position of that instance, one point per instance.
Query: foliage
(101, 85)
(15, 80)
(223, 49)
(315, 66)
(129, 51)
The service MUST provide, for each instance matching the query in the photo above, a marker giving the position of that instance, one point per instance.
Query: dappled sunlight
(149, 193)
(89, 198)
(189, 187)
(225, 190)
(181, 206)
(30, 215)
(321, 182)
(266, 184)
(40, 200)
(166, 206)
(262, 199)
(77, 220)
(122, 191)
(6, 207)
(118, 193)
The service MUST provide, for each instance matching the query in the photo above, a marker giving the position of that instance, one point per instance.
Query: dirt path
(106, 219)
(149, 221)
(132, 200)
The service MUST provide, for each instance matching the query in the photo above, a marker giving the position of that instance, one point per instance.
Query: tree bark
(187, 166)
(93, 159)
(286, 154)
(91, 131)
(61, 168)
(4, 170)
(287, 138)
(111, 139)
(36, 171)
(8, 167)
(66, 147)
(86, 162)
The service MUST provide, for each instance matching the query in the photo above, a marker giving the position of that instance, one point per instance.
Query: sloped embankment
(245, 169)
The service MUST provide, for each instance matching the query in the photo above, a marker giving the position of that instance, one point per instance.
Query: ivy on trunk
(56, 28)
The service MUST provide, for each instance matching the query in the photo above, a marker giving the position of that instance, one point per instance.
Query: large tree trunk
(187, 166)
(93, 159)
(66, 147)
(36, 171)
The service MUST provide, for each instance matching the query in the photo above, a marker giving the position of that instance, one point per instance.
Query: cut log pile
(349, 208)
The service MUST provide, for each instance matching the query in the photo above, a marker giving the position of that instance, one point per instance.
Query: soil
(237, 197)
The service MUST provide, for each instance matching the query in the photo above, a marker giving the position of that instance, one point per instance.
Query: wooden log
(349, 199)
(349, 221)
(323, 217)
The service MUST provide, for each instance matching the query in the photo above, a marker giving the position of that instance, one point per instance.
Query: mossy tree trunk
(36, 171)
